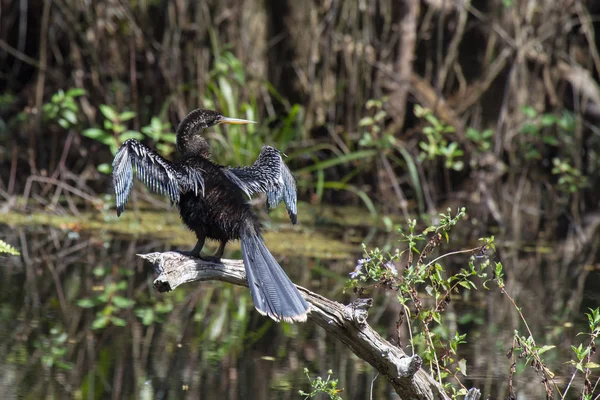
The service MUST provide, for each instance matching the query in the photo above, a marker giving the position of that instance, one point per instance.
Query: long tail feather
(272, 291)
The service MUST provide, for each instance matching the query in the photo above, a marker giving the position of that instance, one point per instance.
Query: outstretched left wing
(269, 175)
(159, 174)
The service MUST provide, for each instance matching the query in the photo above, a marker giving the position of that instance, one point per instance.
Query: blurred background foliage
(392, 108)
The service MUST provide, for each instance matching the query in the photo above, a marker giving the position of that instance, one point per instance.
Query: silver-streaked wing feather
(157, 173)
(269, 175)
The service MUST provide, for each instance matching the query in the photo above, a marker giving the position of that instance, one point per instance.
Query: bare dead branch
(348, 323)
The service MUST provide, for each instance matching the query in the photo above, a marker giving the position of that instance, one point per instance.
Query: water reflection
(80, 319)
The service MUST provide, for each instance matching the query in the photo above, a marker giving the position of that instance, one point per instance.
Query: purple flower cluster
(391, 267)
(359, 265)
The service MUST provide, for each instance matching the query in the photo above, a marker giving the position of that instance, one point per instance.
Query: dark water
(199, 341)
(79, 319)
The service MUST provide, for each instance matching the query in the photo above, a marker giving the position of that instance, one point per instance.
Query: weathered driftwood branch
(346, 323)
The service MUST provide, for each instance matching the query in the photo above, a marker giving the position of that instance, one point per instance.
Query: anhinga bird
(212, 201)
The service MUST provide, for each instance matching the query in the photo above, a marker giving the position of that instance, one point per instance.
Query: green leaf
(71, 106)
(63, 123)
(529, 128)
(118, 321)
(550, 140)
(155, 124)
(70, 116)
(100, 322)
(458, 165)
(58, 351)
(428, 130)
(366, 121)
(75, 92)
(126, 116)
(567, 122)
(529, 111)
(64, 365)
(163, 308)
(380, 115)
(58, 96)
(462, 365)
(108, 112)
(47, 360)
(377, 103)
(126, 272)
(148, 317)
(165, 149)
(130, 135)
(548, 119)
(545, 349)
(107, 140)
(228, 96)
(113, 146)
(532, 154)
(449, 129)
(104, 168)
(465, 284)
(123, 302)
(118, 128)
(86, 303)
(93, 133)
(591, 365)
(472, 134)
(169, 137)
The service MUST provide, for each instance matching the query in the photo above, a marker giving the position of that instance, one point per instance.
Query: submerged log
(348, 323)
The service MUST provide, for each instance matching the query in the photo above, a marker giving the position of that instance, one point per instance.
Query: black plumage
(212, 202)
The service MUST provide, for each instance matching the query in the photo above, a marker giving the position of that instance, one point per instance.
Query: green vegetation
(437, 144)
(8, 249)
(114, 133)
(111, 300)
(54, 349)
(63, 108)
(425, 289)
(327, 387)
(408, 272)
(570, 180)
(482, 139)
(388, 112)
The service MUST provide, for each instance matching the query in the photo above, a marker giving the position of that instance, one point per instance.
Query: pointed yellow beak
(234, 121)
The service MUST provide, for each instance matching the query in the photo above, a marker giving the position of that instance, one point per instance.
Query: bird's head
(189, 137)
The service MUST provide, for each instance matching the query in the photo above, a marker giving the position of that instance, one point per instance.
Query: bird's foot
(212, 259)
(192, 253)
(204, 257)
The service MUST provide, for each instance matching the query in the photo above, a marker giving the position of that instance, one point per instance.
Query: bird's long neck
(190, 142)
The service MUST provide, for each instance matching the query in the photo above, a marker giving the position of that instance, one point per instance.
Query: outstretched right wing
(269, 175)
(160, 175)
